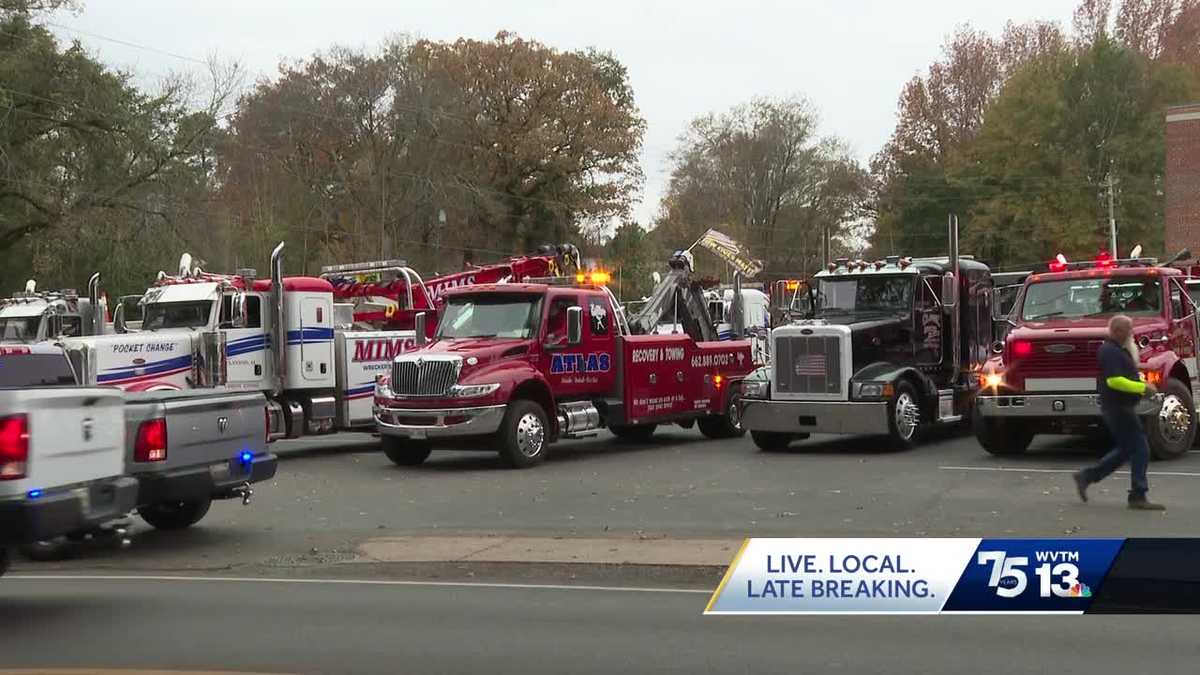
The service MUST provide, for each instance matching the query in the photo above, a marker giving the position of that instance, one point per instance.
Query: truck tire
(728, 425)
(405, 452)
(46, 551)
(999, 438)
(1171, 432)
(174, 515)
(774, 441)
(904, 416)
(524, 434)
(633, 432)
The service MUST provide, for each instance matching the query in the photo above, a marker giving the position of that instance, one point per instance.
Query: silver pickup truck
(61, 452)
(175, 452)
(187, 448)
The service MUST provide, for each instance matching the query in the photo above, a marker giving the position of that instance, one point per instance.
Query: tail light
(14, 446)
(151, 442)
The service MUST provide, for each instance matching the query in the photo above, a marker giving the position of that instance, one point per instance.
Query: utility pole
(1112, 220)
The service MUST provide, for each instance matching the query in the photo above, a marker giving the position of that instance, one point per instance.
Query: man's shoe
(1081, 485)
(1142, 504)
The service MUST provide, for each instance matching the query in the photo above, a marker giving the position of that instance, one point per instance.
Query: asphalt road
(333, 493)
(320, 627)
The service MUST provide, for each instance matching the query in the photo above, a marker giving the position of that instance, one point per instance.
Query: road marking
(1013, 469)
(364, 582)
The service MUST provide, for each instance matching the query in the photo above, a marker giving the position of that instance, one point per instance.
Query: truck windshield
(1095, 296)
(892, 293)
(35, 370)
(192, 314)
(20, 328)
(504, 316)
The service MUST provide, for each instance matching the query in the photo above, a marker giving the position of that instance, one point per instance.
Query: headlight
(991, 380)
(472, 390)
(873, 390)
(756, 389)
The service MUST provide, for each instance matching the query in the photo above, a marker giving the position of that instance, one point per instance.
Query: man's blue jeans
(1126, 430)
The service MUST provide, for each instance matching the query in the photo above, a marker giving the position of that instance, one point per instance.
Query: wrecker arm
(680, 298)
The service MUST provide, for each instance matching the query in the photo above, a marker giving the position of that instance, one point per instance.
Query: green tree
(762, 174)
(1037, 175)
(633, 257)
(92, 170)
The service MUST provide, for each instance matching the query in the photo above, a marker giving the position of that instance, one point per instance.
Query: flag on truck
(728, 249)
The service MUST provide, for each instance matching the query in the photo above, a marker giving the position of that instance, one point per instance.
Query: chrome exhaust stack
(279, 329)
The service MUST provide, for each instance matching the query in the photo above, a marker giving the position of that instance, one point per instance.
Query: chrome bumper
(833, 417)
(420, 423)
(1053, 405)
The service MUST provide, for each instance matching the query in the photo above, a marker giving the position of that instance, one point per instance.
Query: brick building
(1183, 179)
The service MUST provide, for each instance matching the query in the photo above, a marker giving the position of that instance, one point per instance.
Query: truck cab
(520, 365)
(886, 348)
(34, 316)
(1042, 378)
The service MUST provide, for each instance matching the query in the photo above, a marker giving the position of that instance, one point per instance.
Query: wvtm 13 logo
(1056, 572)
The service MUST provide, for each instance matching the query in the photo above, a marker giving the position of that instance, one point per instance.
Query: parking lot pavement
(389, 627)
(334, 495)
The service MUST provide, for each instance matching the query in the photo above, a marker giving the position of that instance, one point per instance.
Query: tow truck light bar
(1103, 261)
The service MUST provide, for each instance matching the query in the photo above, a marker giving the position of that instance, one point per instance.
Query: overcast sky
(849, 57)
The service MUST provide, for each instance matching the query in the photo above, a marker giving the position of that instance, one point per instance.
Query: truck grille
(808, 364)
(424, 376)
(1061, 356)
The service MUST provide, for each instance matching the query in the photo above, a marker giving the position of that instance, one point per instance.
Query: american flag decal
(810, 365)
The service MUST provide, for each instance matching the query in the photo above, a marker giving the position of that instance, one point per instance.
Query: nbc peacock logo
(1081, 591)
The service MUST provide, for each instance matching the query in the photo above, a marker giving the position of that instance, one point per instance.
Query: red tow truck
(1042, 378)
(513, 367)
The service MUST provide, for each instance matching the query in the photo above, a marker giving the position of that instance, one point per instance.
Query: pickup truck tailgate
(202, 426)
(75, 435)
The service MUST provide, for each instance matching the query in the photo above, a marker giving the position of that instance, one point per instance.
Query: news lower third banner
(946, 576)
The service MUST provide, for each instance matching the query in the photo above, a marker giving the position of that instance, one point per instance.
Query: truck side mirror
(241, 312)
(119, 318)
(574, 325)
(419, 328)
(949, 291)
(1000, 328)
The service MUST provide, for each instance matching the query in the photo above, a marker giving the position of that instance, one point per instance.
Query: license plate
(221, 471)
(418, 434)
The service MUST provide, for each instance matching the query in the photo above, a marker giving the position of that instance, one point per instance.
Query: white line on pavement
(1013, 469)
(364, 582)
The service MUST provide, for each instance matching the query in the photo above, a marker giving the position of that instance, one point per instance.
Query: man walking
(1121, 388)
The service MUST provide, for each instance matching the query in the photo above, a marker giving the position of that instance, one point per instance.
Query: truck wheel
(174, 515)
(1171, 432)
(405, 452)
(46, 551)
(523, 434)
(774, 441)
(1001, 439)
(904, 416)
(728, 425)
(633, 432)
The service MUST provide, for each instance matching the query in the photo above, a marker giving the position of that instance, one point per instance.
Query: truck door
(566, 366)
(316, 341)
(1184, 329)
(245, 347)
(928, 318)
(599, 341)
